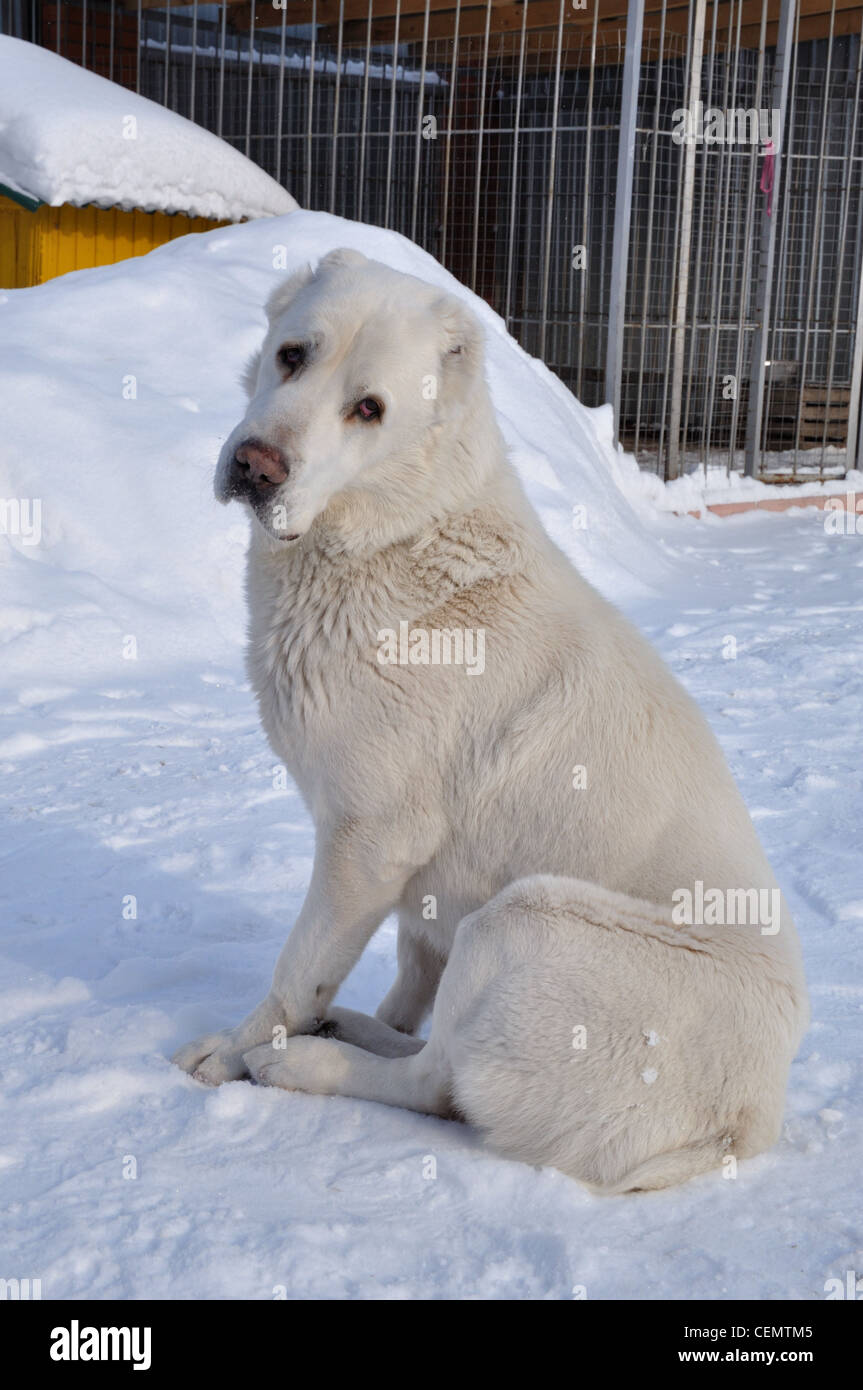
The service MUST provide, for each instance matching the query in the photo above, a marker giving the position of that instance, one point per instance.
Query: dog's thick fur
(573, 1022)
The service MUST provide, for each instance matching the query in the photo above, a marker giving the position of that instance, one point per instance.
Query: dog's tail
(753, 1131)
(669, 1169)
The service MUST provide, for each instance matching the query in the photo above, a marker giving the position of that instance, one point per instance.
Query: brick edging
(849, 501)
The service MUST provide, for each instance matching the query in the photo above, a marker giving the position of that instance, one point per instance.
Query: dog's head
(361, 371)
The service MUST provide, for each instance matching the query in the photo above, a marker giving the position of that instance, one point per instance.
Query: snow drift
(114, 422)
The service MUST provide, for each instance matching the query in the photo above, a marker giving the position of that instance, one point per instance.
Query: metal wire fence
(605, 182)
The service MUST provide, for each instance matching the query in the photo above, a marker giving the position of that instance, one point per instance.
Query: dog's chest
(312, 642)
(317, 658)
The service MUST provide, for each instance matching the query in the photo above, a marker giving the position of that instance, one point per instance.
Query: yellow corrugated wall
(36, 246)
(16, 245)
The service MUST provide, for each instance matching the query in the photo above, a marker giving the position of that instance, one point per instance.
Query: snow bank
(114, 424)
(70, 136)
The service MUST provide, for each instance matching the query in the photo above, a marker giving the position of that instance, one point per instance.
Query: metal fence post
(623, 208)
(764, 285)
(854, 441)
(685, 243)
(854, 445)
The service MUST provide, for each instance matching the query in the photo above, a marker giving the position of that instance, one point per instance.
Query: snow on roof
(349, 67)
(70, 136)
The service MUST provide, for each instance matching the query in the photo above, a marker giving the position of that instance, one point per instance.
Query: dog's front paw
(259, 1063)
(214, 1058)
(218, 1057)
(301, 1064)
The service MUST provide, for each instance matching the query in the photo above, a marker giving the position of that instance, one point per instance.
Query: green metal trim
(23, 199)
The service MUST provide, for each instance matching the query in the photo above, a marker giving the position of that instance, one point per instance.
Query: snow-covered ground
(150, 868)
(71, 136)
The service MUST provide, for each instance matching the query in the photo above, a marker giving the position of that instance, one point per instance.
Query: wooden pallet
(823, 416)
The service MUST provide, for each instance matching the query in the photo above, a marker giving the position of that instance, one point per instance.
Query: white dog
(616, 982)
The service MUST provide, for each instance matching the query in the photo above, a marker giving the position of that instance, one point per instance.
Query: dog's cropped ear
(287, 291)
(463, 344)
(343, 256)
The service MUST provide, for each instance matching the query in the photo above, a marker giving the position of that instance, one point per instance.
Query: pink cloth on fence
(767, 173)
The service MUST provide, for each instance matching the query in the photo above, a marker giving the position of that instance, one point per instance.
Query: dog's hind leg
(329, 1068)
(346, 1025)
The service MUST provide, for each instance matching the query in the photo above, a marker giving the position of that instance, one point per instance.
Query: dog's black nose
(257, 467)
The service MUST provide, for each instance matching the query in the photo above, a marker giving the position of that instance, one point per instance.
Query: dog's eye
(369, 409)
(290, 357)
